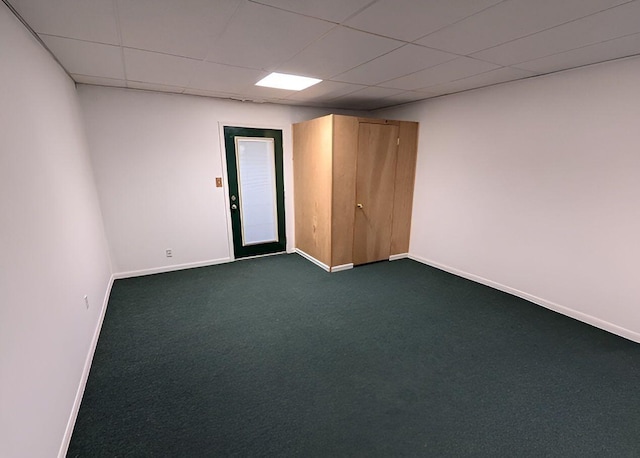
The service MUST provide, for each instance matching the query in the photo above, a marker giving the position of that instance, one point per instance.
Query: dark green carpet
(275, 357)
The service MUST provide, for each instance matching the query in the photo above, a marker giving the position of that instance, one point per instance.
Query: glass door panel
(257, 190)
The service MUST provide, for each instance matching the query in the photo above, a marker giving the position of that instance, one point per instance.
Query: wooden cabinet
(353, 180)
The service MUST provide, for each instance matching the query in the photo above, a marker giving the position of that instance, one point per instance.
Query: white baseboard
(395, 257)
(580, 316)
(66, 440)
(163, 269)
(308, 257)
(342, 267)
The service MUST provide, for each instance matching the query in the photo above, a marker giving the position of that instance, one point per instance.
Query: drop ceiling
(370, 54)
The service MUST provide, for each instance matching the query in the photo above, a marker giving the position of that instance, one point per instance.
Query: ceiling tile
(410, 19)
(462, 67)
(215, 94)
(613, 23)
(603, 51)
(374, 92)
(366, 99)
(319, 103)
(325, 90)
(87, 58)
(338, 51)
(155, 68)
(98, 81)
(260, 93)
(154, 87)
(404, 97)
(180, 27)
(16, 5)
(238, 97)
(261, 37)
(399, 62)
(166, 41)
(489, 27)
(90, 20)
(500, 75)
(345, 104)
(359, 104)
(330, 10)
(301, 103)
(224, 78)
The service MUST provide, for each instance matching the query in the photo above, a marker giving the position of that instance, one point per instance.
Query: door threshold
(260, 256)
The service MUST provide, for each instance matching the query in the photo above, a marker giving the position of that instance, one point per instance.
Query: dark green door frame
(240, 250)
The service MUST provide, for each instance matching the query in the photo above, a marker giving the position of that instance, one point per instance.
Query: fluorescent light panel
(285, 81)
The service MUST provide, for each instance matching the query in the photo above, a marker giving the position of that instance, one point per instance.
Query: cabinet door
(375, 181)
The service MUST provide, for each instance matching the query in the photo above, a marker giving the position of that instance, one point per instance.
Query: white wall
(156, 157)
(534, 187)
(52, 245)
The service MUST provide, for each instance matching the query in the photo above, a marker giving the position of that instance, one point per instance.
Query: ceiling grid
(369, 54)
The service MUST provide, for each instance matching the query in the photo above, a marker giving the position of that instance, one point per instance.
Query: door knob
(359, 205)
(234, 207)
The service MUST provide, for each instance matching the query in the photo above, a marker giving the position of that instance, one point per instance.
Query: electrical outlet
(86, 301)
(169, 252)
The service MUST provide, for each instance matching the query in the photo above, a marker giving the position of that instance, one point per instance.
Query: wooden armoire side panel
(405, 182)
(312, 170)
(345, 150)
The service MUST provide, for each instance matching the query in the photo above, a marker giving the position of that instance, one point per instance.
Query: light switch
(218, 182)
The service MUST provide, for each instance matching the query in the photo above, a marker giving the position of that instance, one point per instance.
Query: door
(256, 190)
(375, 183)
